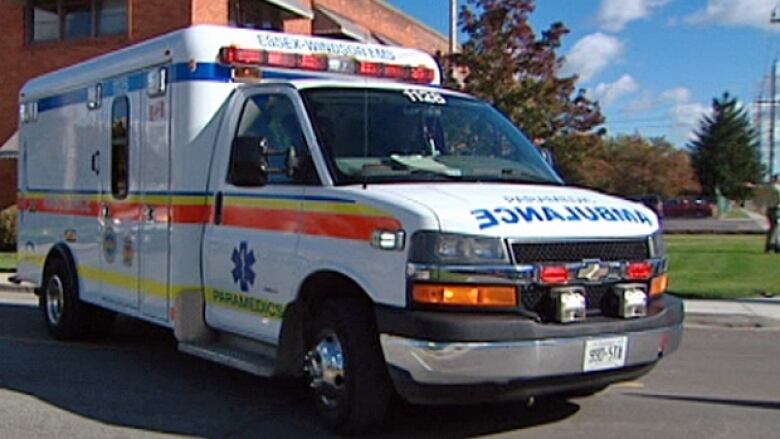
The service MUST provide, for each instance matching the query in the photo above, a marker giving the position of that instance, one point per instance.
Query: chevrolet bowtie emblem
(593, 272)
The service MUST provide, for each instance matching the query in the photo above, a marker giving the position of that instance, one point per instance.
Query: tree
(725, 150)
(507, 66)
(649, 166)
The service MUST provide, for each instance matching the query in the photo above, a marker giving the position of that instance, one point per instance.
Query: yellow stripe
(29, 258)
(306, 206)
(229, 299)
(245, 303)
(128, 281)
(133, 198)
(238, 201)
(343, 208)
(262, 203)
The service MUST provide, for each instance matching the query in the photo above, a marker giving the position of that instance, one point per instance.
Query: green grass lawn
(721, 266)
(7, 261)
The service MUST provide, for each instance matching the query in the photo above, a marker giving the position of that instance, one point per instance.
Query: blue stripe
(63, 191)
(203, 72)
(201, 194)
(290, 197)
(180, 72)
(61, 100)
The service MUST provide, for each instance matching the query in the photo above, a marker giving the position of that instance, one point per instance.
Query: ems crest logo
(243, 260)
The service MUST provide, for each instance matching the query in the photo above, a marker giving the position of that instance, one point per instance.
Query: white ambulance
(309, 207)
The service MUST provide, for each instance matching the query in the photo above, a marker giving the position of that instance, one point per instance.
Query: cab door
(154, 197)
(249, 256)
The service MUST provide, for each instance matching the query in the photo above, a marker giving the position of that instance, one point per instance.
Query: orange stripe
(266, 219)
(344, 226)
(191, 213)
(183, 214)
(65, 207)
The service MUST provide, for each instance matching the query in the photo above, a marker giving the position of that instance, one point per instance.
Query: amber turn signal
(659, 285)
(465, 295)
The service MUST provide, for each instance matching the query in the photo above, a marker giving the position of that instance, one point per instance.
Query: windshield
(370, 135)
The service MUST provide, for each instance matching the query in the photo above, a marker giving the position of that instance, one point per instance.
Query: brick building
(43, 35)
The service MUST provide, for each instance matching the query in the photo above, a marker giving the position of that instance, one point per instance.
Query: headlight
(444, 248)
(657, 247)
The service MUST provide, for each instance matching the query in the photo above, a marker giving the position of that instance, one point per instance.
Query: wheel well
(327, 284)
(317, 288)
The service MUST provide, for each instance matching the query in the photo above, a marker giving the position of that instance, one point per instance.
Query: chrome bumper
(462, 363)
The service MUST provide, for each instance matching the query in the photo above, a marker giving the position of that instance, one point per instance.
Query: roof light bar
(237, 57)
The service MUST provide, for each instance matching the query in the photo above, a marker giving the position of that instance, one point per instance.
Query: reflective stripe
(312, 215)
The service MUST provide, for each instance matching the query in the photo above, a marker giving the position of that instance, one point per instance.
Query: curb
(12, 288)
(713, 232)
(731, 321)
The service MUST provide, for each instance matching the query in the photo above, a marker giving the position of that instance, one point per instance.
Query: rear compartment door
(154, 196)
(119, 208)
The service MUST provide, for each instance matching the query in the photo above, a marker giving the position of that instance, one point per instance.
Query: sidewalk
(755, 224)
(750, 312)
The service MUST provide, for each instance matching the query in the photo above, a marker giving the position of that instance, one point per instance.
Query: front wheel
(345, 368)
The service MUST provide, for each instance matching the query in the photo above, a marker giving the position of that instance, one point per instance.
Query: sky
(654, 65)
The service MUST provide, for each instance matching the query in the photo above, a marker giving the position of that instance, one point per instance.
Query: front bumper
(525, 359)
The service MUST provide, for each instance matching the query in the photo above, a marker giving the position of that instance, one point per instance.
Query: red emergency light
(236, 57)
(554, 274)
(639, 270)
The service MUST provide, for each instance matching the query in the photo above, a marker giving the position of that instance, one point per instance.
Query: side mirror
(548, 156)
(291, 163)
(249, 162)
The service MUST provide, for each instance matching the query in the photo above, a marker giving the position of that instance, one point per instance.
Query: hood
(528, 211)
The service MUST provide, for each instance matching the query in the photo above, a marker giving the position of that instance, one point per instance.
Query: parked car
(651, 201)
(688, 207)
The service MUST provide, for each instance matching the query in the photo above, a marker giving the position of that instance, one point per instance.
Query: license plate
(605, 353)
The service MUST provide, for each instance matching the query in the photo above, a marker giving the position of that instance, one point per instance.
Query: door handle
(95, 165)
(105, 210)
(149, 214)
(218, 208)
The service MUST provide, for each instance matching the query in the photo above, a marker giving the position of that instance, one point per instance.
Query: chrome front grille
(528, 253)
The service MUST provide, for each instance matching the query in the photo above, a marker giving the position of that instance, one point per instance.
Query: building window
(254, 14)
(120, 147)
(52, 20)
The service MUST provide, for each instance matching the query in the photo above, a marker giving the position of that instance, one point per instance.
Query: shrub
(8, 218)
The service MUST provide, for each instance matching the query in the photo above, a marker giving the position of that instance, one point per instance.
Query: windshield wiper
(430, 173)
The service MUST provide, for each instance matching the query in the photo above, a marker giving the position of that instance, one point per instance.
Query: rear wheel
(345, 368)
(65, 315)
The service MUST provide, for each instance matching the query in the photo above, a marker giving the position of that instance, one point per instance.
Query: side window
(272, 119)
(120, 146)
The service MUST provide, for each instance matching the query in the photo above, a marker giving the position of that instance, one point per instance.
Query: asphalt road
(722, 383)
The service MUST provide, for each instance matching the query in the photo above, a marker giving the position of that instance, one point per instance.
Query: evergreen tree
(725, 150)
(508, 66)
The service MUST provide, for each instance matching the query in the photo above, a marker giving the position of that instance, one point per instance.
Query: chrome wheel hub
(324, 365)
(55, 299)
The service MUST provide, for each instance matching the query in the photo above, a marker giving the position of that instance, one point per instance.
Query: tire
(345, 368)
(65, 315)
